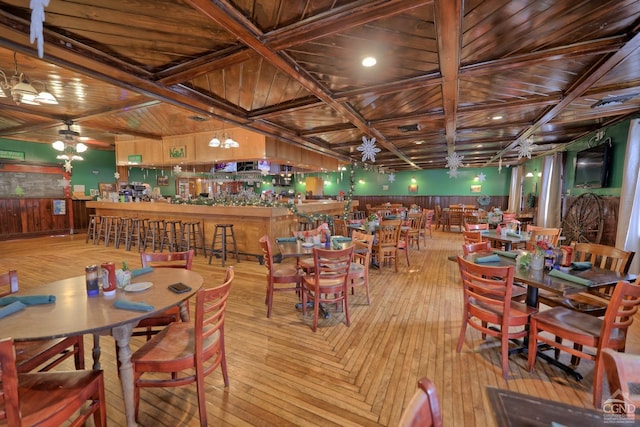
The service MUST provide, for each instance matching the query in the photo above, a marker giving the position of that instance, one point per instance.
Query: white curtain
(628, 232)
(515, 189)
(550, 201)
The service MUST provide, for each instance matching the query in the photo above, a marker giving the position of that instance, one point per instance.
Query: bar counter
(250, 222)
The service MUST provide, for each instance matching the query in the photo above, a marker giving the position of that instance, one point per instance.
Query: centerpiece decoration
(541, 249)
(372, 222)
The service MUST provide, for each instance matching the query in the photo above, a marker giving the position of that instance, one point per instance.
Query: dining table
(507, 239)
(535, 280)
(75, 313)
(512, 409)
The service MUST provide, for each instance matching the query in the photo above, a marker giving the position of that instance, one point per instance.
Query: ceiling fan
(67, 144)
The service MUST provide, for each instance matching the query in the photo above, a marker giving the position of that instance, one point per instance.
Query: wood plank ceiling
(291, 69)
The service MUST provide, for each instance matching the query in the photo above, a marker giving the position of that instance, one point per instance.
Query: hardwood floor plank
(281, 373)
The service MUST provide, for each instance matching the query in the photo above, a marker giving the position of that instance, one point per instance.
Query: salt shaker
(91, 273)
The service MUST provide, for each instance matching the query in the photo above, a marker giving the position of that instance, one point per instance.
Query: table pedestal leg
(122, 335)
(96, 352)
(184, 313)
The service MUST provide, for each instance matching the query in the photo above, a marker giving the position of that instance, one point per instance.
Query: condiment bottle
(108, 278)
(91, 273)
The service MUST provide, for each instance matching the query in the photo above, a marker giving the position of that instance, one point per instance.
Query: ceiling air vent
(614, 100)
(409, 128)
(198, 118)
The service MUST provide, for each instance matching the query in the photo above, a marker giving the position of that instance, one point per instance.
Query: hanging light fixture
(22, 91)
(225, 141)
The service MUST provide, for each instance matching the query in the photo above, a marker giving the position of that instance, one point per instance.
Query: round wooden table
(75, 313)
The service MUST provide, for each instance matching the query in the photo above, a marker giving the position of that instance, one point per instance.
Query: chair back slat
(9, 404)
(620, 312)
(8, 283)
(210, 311)
(603, 256)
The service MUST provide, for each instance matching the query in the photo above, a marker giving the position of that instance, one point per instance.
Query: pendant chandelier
(23, 91)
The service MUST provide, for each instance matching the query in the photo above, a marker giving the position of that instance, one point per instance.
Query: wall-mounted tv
(226, 167)
(593, 166)
(264, 165)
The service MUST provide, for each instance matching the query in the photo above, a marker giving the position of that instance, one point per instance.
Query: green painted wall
(98, 165)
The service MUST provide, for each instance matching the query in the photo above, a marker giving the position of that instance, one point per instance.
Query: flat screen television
(226, 167)
(593, 166)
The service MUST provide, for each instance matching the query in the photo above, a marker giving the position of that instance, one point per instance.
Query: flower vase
(537, 261)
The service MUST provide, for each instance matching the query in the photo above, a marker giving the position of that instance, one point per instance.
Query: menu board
(27, 184)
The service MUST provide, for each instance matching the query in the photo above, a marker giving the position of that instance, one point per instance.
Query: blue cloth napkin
(132, 305)
(570, 277)
(140, 271)
(505, 253)
(11, 308)
(488, 258)
(485, 231)
(28, 299)
(581, 265)
(286, 239)
(342, 239)
(512, 234)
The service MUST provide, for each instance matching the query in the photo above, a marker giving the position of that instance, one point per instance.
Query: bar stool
(220, 235)
(122, 233)
(92, 230)
(153, 234)
(170, 235)
(192, 237)
(135, 233)
(108, 229)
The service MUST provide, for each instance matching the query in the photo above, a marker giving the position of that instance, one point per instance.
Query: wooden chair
(508, 217)
(359, 269)
(186, 352)
(471, 237)
(329, 281)
(602, 256)
(622, 370)
(476, 227)
(584, 330)
(278, 275)
(549, 235)
(425, 226)
(441, 219)
(414, 221)
(150, 326)
(424, 407)
(488, 301)
(482, 247)
(456, 218)
(48, 398)
(42, 355)
(385, 246)
(340, 227)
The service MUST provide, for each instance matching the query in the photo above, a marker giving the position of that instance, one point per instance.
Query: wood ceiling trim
(449, 35)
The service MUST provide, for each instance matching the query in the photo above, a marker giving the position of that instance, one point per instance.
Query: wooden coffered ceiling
(290, 69)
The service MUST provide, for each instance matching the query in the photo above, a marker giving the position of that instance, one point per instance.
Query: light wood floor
(282, 373)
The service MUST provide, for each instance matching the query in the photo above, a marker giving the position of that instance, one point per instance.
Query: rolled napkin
(513, 234)
(132, 305)
(581, 265)
(140, 271)
(28, 299)
(342, 239)
(488, 258)
(485, 231)
(11, 308)
(505, 253)
(570, 277)
(286, 239)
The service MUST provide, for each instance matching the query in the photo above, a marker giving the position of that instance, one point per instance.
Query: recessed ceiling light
(479, 146)
(369, 61)
(419, 142)
(496, 117)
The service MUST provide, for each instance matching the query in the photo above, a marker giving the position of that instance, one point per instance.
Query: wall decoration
(163, 180)
(476, 188)
(413, 188)
(59, 207)
(178, 152)
(369, 149)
